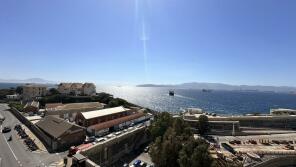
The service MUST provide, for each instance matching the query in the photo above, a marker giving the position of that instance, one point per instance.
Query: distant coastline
(220, 86)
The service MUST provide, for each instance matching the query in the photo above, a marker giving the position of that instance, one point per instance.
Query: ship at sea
(171, 93)
(206, 90)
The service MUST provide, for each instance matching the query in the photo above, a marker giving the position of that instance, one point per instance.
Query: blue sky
(149, 41)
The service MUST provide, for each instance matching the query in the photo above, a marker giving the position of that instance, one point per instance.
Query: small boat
(171, 93)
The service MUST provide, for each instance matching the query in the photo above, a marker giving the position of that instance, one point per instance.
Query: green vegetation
(203, 124)
(4, 92)
(53, 91)
(174, 144)
(19, 90)
(100, 97)
(16, 105)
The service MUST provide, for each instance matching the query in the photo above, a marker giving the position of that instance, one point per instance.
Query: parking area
(143, 160)
(111, 135)
(15, 152)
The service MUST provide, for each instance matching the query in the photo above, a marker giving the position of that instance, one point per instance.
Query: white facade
(87, 89)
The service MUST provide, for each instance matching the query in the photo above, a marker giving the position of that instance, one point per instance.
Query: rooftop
(35, 85)
(73, 106)
(118, 121)
(56, 127)
(103, 112)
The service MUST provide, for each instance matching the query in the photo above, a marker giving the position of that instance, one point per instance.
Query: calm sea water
(221, 102)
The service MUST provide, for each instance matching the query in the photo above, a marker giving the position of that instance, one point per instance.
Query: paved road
(15, 153)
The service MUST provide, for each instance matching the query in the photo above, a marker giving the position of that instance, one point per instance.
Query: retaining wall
(108, 153)
(279, 162)
(37, 132)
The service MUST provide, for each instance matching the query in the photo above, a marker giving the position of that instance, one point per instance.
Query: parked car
(142, 164)
(117, 133)
(146, 149)
(100, 139)
(90, 140)
(137, 163)
(6, 129)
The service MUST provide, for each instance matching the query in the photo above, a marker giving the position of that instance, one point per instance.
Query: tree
(203, 124)
(165, 152)
(53, 91)
(194, 153)
(161, 123)
(174, 144)
(19, 90)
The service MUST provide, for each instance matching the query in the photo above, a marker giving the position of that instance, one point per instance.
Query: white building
(282, 111)
(32, 91)
(87, 89)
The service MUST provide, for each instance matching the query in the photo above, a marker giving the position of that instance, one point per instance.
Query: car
(6, 129)
(125, 165)
(125, 130)
(142, 164)
(110, 136)
(146, 149)
(117, 133)
(100, 139)
(90, 140)
(137, 162)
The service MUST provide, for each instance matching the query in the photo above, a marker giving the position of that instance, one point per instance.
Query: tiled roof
(56, 127)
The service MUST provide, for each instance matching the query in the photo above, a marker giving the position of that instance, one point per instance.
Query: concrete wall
(38, 133)
(108, 153)
(279, 122)
(279, 162)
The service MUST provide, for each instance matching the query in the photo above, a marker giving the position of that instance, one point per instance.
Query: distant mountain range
(30, 80)
(220, 86)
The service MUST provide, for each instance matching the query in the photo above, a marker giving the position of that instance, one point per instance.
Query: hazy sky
(149, 41)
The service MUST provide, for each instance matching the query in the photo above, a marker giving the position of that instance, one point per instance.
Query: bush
(17, 106)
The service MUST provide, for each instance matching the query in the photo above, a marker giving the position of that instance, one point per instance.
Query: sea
(219, 102)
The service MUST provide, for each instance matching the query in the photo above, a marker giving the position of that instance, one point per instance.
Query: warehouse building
(61, 133)
(90, 118)
(70, 110)
(103, 128)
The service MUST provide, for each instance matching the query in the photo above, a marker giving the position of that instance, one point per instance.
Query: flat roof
(103, 112)
(73, 106)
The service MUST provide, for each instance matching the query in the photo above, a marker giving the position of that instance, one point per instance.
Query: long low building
(70, 110)
(90, 118)
(102, 128)
(61, 133)
(260, 121)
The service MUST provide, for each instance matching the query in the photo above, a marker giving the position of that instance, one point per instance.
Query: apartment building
(31, 91)
(87, 89)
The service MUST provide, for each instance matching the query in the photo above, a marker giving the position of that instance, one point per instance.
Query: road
(15, 153)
